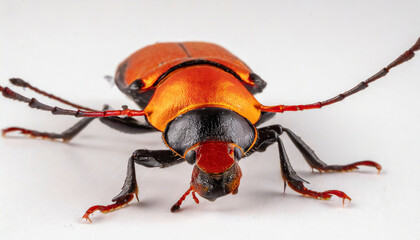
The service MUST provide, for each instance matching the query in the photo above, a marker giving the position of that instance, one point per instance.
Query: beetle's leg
(271, 134)
(144, 157)
(156, 158)
(123, 124)
(127, 125)
(66, 136)
(296, 183)
(129, 189)
(311, 158)
(265, 138)
(316, 163)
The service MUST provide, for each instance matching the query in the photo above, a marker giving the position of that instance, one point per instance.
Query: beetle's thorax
(209, 124)
(196, 87)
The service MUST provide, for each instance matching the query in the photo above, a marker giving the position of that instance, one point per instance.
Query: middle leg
(122, 124)
(270, 135)
(265, 139)
(316, 163)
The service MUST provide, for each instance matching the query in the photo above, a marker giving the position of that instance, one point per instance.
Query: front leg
(315, 163)
(147, 158)
(270, 135)
(296, 183)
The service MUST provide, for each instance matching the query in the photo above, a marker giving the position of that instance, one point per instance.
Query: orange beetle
(200, 96)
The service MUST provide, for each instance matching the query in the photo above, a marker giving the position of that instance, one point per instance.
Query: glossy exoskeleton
(200, 96)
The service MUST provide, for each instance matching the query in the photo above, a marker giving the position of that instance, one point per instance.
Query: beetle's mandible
(201, 98)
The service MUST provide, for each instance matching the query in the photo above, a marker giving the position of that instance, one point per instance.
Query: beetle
(201, 98)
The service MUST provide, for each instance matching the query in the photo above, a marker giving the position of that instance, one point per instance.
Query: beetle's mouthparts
(213, 186)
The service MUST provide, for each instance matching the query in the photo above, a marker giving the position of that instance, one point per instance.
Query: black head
(216, 172)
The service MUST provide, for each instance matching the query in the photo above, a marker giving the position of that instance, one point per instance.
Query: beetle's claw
(337, 193)
(326, 195)
(86, 218)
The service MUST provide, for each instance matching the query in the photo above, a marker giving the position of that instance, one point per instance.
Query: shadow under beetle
(200, 96)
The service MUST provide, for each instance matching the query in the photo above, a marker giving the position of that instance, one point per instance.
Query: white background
(307, 51)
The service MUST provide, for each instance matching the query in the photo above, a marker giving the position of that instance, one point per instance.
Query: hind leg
(66, 136)
(123, 124)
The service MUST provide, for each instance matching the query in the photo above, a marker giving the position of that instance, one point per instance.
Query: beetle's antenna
(21, 83)
(409, 54)
(33, 103)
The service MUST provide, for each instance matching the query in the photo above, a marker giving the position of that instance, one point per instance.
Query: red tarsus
(350, 167)
(108, 208)
(326, 195)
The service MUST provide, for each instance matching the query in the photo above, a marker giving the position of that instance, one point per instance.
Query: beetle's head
(216, 172)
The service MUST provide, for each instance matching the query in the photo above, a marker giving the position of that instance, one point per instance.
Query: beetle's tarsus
(32, 134)
(121, 202)
(348, 167)
(326, 195)
(86, 219)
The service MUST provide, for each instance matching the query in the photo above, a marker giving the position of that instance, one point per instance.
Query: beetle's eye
(190, 157)
(238, 153)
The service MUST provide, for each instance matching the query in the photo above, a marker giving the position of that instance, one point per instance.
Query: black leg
(66, 136)
(123, 124)
(127, 125)
(270, 135)
(316, 163)
(265, 138)
(156, 158)
(147, 158)
(296, 183)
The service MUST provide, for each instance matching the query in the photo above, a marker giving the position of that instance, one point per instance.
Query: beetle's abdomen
(196, 87)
